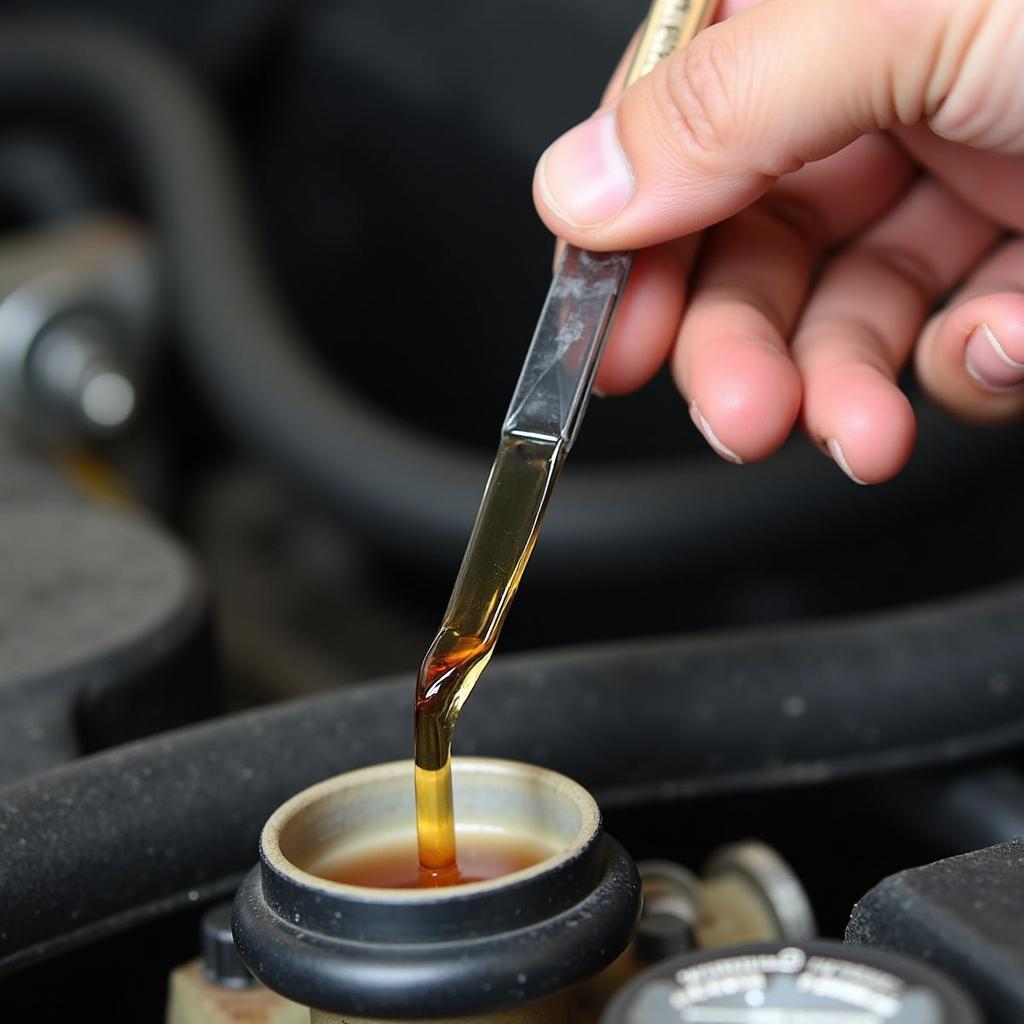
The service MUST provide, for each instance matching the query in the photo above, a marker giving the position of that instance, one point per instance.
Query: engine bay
(252, 360)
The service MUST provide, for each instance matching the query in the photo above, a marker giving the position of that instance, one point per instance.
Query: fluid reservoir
(505, 948)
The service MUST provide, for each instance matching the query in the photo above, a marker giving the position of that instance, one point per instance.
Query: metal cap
(773, 880)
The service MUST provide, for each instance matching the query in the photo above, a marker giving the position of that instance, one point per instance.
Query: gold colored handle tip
(670, 24)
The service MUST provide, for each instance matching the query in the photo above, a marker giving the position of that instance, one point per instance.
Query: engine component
(218, 989)
(790, 707)
(807, 984)
(750, 894)
(194, 999)
(669, 916)
(962, 914)
(107, 634)
(221, 963)
(77, 316)
(958, 812)
(516, 942)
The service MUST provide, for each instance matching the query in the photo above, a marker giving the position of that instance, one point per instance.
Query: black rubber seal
(494, 965)
(458, 915)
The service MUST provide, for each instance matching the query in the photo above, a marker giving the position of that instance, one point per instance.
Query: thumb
(759, 95)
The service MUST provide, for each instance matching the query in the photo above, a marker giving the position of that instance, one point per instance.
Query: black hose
(959, 812)
(121, 837)
(405, 493)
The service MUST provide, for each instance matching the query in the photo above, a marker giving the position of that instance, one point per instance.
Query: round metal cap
(773, 880)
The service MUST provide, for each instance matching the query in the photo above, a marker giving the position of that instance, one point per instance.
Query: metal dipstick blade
(555, 382)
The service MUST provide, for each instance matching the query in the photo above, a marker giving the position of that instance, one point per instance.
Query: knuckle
(911, 38)
(975, 92)
(986, 113)
(914, 269)
(696, 96)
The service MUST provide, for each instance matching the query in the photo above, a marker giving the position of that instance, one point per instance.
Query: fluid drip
(502, 540)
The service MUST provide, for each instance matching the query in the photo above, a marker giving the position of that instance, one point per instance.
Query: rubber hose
(114, 839)
(404, 493)
(960, 812)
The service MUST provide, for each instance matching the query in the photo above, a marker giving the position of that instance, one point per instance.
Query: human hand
(859, 162)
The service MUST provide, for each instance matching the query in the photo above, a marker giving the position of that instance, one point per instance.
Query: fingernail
(989, 363)
(584, 176)
(711, 437)
(835, 449)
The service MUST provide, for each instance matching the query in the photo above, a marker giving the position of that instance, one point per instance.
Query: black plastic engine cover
(106, 633)
(964, 915)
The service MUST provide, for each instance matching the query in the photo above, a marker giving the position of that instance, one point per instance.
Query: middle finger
(731, 358)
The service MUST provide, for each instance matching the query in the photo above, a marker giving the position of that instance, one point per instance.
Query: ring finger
(865, 315)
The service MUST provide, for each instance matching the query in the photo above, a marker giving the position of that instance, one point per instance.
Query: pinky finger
(971, 355)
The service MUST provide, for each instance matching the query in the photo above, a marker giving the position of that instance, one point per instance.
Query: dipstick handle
(555, 382)
(670, 24)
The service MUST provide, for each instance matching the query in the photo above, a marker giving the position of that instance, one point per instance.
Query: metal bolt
(74, 368)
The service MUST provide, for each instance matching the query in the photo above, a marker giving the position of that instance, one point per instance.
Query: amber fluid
(396, 865)
(503, 537)
(447, 673)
